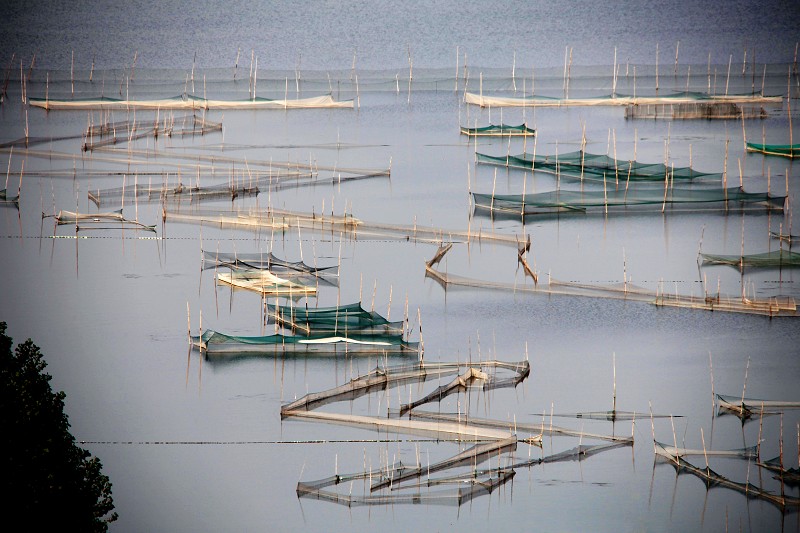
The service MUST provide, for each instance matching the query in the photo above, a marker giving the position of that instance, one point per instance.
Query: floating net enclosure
(597, 167)
(343, 319)
(688, 97)
(622, 200)
(670, 451)
(347, 225)
(215, 344)
(188, 101)
(746, 407)
(250, 184)
(292, 270)
(109, 133)
(784, 306)
(385, 377)
(98, 220)
(714, 479)
(774, 259)
(147, 192)
(785, 150)
(267, 283)
(498, 130)
(698, 110)
(399, 484)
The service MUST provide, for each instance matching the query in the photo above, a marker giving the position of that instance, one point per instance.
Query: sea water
(194, 444)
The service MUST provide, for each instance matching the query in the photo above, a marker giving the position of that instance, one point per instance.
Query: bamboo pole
(674, 437)
(744, 387)
(513, 73)
(728, 78)
(656, 68)
(614, 76)
(569, 70)
(744, 133)
(705, 453)
(616, 164)
(711, 372)
(133, 65)
(789, 113)
(250, 78)
(421, 342)
(455, 89)
(614, 366)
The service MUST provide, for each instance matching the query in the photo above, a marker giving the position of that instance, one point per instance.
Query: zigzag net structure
(399, 483)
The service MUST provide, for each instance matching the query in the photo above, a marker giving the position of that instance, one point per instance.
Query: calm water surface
(199, 445)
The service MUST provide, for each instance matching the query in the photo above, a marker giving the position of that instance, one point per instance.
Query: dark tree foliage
(50, 482)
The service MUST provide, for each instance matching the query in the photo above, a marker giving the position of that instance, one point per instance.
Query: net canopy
(98, 220)
(190, 102)
(714, 479)
(264, 261)
(498, 130)
(745, 407)
(267, 283)
(669, 451)
(214, 343)
(785, 237)
(774, 259)
(583, 201)
(790, 476)
(686, 97)
(5, 199)
(785, 150)
(352, 318)
(598, 167)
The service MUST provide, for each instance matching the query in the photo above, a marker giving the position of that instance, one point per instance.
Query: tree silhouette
(51, 483)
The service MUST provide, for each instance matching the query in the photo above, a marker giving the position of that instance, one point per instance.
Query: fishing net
(687, 97)
(785, 150)
(563, 201)
(774, 259)
(267, 283)
(98, 220)
(213, 343)
(684, 111)
(498, 130)
(259, 260)
(345, 319)
(597, 167)
(188, 102)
